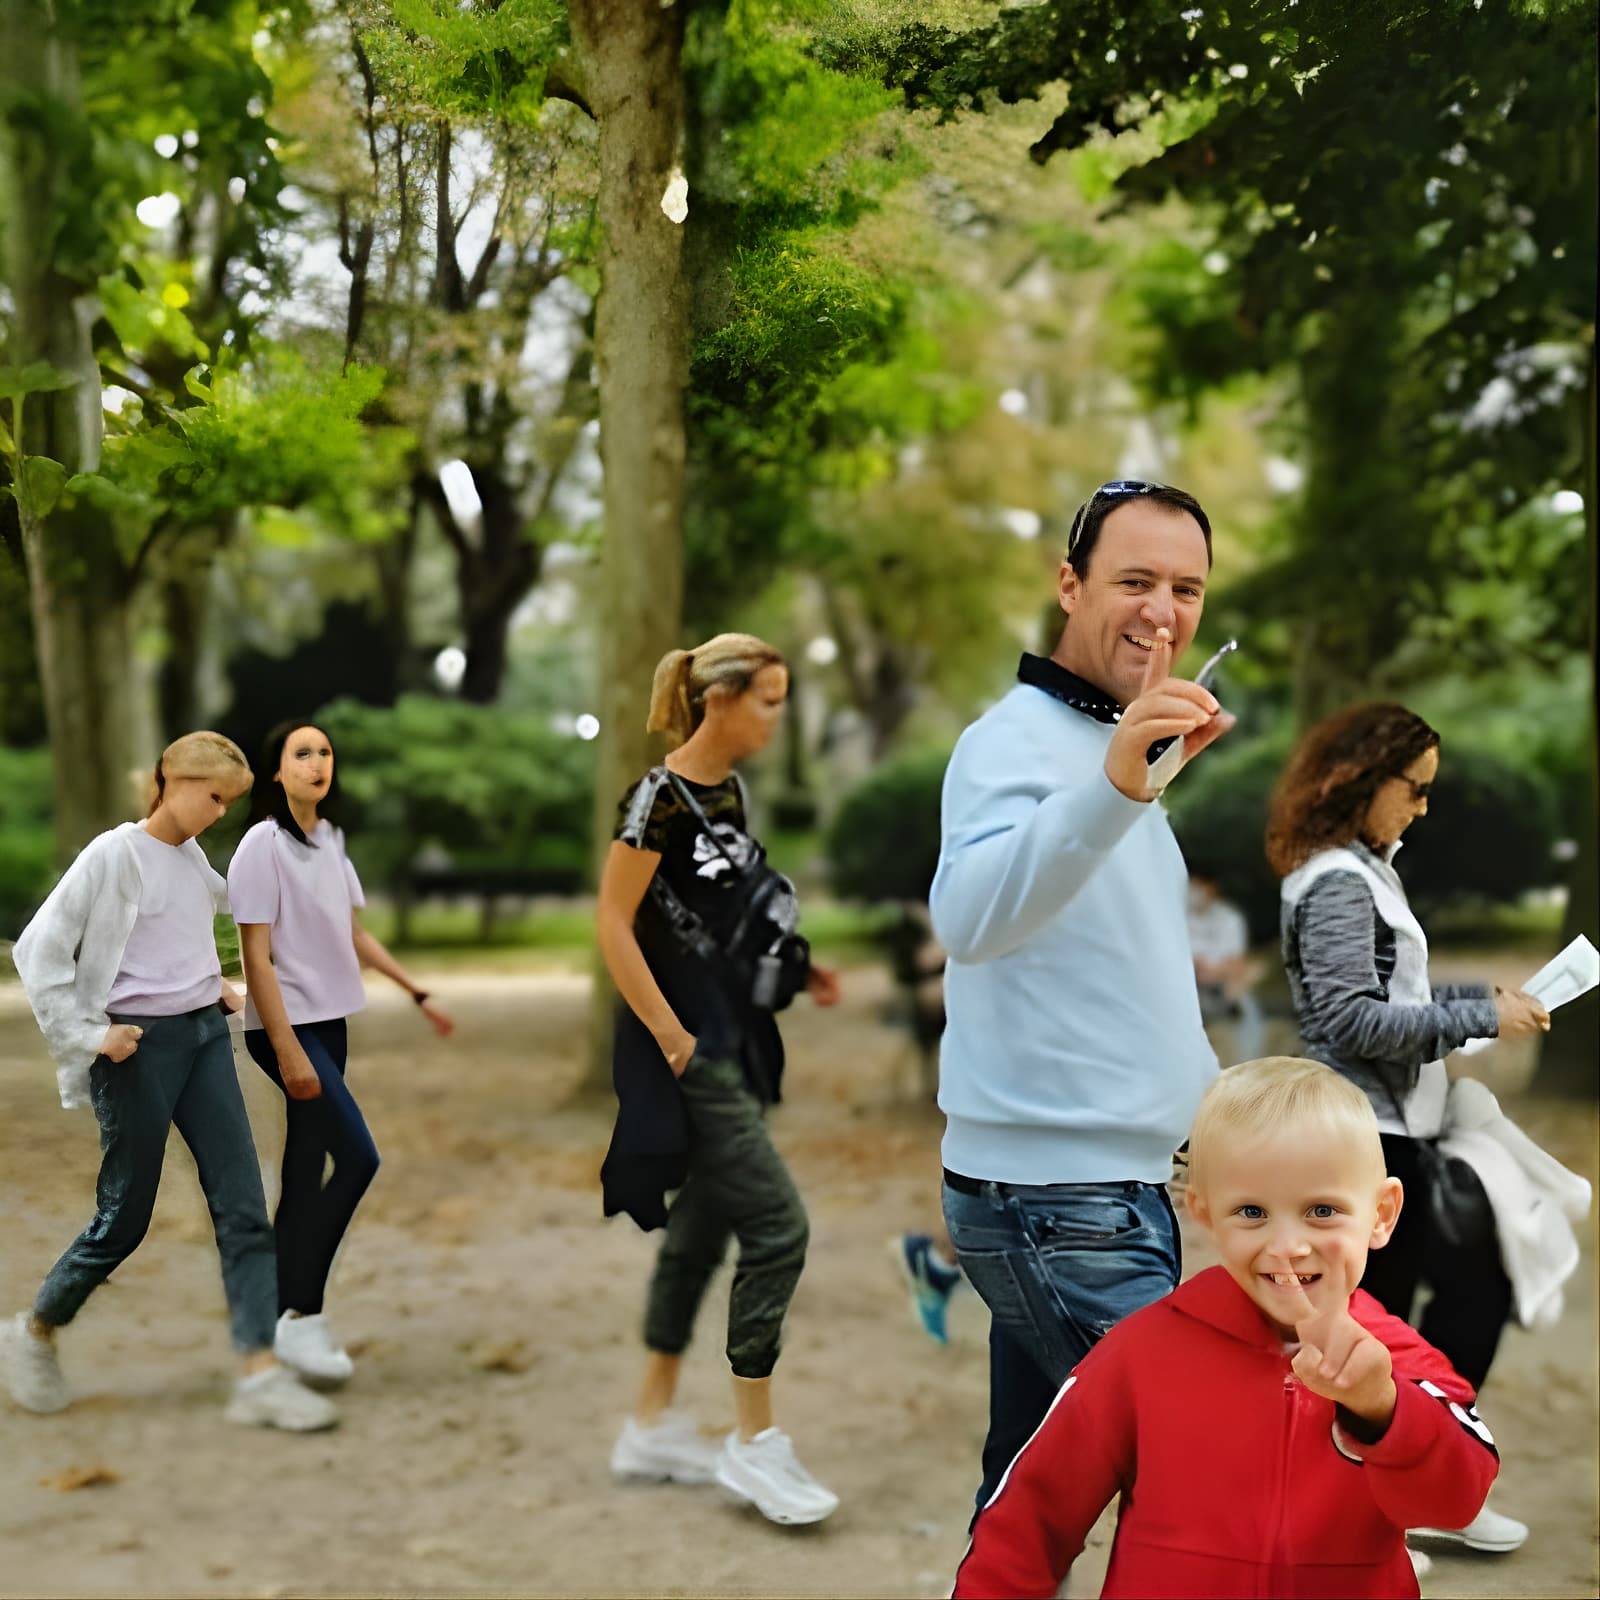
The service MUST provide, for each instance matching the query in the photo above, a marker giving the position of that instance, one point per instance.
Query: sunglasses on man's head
(1117, 489)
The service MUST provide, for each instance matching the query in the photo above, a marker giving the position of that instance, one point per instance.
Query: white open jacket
(70, 953)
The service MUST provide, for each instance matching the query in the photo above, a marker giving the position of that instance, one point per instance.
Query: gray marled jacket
(1339, 956)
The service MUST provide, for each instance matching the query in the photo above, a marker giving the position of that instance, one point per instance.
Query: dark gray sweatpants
(181, 1073)
(737, 1187)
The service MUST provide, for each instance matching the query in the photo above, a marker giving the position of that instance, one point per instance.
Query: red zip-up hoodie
(1235, 1479)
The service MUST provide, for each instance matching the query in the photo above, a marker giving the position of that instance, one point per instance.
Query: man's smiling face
(1147, 571)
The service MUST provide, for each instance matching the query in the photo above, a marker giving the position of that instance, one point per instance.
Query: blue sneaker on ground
(931, 1282)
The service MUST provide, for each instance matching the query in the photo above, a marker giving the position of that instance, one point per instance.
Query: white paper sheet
(1569, 975)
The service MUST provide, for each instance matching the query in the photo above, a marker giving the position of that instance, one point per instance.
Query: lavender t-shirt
(169, 964)
(305, 893)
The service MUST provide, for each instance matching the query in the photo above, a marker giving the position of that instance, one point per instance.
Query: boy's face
(1297, 1207)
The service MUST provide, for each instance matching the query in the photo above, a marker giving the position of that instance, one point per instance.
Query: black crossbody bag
(765, 960)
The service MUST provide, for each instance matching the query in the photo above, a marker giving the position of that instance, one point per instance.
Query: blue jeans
(182, 1074)
(313, 1215)
(1056, 1265)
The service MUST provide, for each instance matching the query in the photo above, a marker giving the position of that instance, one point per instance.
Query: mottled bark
(78, 587)
(630, 66)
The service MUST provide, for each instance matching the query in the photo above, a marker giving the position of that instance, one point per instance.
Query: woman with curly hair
(1357, 962)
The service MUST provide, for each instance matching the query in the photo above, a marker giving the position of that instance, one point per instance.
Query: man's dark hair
(267, 798)
(1092, 515)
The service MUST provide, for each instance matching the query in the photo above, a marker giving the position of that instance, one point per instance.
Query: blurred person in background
(1357, 964)
(1224, 971)
(699, 936)
(297, 901)
(120, 966)
(1074, 1054)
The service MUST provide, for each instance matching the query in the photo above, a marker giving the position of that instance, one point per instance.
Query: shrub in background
(1488, 835)
(883, 843)
(493, 789)
(27, 835)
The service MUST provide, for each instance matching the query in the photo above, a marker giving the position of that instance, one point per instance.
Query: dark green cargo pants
(739, 1186)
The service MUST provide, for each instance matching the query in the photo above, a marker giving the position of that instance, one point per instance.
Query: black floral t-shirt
(653, 816)
(650, 1143)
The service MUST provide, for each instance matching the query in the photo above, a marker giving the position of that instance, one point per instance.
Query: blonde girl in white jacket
(120, 967)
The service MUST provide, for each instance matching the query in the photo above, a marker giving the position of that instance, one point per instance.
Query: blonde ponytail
(683, 677)
(670, 712)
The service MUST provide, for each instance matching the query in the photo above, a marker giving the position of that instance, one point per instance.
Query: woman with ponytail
(120, 966)
(697, 1060)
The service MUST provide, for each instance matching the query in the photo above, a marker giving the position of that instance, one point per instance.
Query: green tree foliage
(1402, 214)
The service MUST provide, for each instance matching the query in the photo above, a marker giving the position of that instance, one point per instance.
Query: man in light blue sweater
(1074, 1056)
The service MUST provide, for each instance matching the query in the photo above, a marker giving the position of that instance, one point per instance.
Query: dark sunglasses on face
(1117, 489)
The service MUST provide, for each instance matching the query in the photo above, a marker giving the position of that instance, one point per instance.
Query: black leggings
(1471, 1301)
(313, 1215)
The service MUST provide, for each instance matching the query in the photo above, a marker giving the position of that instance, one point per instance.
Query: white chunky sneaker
(307, 1344)
(670, 1450)
(766, 1472)
(277, 1399)
(30, 1369)
(1489, 1531)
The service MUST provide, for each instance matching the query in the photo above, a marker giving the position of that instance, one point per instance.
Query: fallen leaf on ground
(510, 1355)
(81, 1478)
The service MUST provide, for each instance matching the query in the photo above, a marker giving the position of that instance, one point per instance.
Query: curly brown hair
(1322, 798)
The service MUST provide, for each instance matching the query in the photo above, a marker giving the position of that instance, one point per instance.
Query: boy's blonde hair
(197, 755)
(1259, 1098)
(678, 694)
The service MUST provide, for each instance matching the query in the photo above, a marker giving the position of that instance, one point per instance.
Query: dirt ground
(495, 1320)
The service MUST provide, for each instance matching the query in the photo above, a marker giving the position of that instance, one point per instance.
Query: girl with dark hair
(1357, 961)
(120, 966)
(296, 899)
(697, 1060)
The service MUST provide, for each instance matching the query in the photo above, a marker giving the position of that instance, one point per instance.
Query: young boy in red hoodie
(1270, 1428)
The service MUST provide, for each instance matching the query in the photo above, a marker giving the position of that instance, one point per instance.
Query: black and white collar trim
(1040, 672)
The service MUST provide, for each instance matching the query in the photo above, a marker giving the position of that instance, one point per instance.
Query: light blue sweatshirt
(1073, 1050)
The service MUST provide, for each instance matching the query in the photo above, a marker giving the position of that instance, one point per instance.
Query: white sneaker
(30, 1368)
(1489, 1530)
(307, 1344)
(277, 1399)
(1421, 1562)
(670, 1450)
(766, 1472)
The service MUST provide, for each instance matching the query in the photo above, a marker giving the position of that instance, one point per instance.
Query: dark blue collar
(1040, 672)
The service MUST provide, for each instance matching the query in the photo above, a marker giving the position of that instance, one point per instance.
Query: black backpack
(766, 960)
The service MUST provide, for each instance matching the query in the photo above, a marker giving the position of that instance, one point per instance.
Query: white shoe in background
(276, 1398)
(29, 1368)
(307, 1344)
(671, 1450)
(765, 1471)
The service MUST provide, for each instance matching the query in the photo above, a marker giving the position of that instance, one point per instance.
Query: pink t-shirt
(305, 893)
(169, 965)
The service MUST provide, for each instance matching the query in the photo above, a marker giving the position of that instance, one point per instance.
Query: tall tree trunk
(77, 579)
(630, 54)
(182, 597)
(21, 704)
(1567, 1057)
(1355, 498)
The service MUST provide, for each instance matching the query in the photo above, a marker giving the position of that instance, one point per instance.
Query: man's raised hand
(1165, 708)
